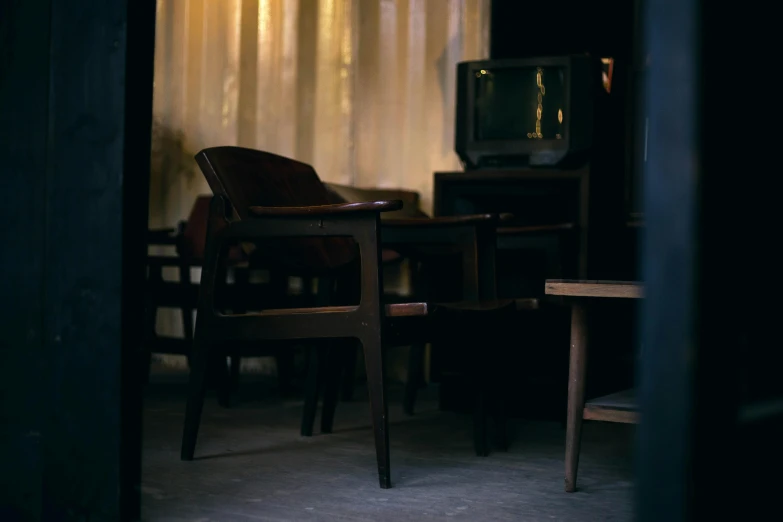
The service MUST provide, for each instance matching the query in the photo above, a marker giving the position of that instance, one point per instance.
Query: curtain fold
(361, 89)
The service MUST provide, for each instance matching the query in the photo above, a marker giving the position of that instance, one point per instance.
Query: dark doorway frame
(711, 394)
(76, 107)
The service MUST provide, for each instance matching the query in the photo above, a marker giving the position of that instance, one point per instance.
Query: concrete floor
(251, 464)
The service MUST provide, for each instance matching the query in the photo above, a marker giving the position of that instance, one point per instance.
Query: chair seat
(421, 309)
(460, 307)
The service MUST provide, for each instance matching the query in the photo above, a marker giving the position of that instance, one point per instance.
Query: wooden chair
(262, 196)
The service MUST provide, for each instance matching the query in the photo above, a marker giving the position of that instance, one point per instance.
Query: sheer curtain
(361, 89)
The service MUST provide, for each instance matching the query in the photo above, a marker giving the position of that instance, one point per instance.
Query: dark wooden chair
(259, 197)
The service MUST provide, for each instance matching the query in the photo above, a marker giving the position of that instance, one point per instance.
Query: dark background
(75, 120)
(524, 29)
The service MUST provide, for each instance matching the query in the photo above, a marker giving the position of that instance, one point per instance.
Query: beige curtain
(361, 89)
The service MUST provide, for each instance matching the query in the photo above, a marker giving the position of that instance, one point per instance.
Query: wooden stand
(617, 407)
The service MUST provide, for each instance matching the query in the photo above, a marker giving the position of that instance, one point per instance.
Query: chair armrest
(449, 221)
(349, 194)
(328, 210)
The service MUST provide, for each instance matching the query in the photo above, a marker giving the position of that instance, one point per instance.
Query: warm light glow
(539, 110)
(560, 116)
(606, 73)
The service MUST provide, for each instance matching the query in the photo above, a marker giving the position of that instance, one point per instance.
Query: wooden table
(617, 407)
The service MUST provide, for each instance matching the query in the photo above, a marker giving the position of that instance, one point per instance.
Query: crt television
(526, 112)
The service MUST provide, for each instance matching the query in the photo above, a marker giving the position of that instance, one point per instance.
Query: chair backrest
(247, 177)
(410, 199)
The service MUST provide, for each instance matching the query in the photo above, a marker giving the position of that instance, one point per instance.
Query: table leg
(576, 393)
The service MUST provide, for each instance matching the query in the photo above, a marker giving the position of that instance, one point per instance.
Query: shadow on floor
(251, 464)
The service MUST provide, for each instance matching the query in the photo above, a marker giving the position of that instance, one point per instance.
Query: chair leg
(150, 322)
(376, 384)
(201, 349)
(576, 394)
(187, 323)
(480, 380)
(499, 404)
(415, 377)
(227, 378)
(311, 392)
(146, 366)
(335, 360)
(196, 392)
(500, 384)
(285, 364)
(218, 373)
(316, 364)
(149, 339)
(187, 311)
(231, 381)
(480, 424)
(236, 368)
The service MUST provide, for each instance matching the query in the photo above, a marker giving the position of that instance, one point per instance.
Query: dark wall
(24, 115)
(601, 28)
(523, 28)
(75, 117)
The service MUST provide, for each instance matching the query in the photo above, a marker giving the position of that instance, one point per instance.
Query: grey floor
(251, 464)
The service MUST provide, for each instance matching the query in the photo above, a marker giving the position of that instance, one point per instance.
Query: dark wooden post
(710, 388)
(669, 312)
(75, 119)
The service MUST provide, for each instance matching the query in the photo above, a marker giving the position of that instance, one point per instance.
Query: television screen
(520, 103)
(535, 111)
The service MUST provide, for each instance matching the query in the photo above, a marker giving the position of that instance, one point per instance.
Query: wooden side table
(617, 407)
